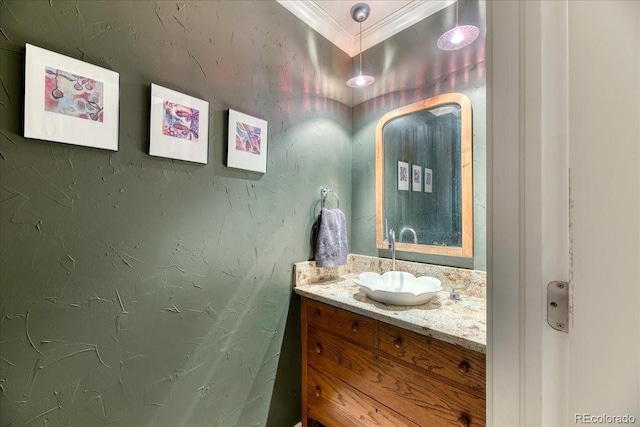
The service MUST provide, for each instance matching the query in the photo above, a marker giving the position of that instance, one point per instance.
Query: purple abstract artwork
(73, 95)
(404, 174)
(247, 138)
(180, 121)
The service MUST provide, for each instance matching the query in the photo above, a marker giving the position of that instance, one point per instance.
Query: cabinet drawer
(354, 327)
(420, 398)
(335, 404)
(464, 366)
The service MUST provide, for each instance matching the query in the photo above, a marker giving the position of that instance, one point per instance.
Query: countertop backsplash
(472, 283)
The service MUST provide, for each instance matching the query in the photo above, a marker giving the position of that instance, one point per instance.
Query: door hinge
(558, 306)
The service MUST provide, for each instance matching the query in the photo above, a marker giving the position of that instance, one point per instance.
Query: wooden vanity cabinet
(357, 371)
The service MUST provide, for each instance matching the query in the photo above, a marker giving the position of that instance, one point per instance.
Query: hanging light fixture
(459, 36)
(359, 13)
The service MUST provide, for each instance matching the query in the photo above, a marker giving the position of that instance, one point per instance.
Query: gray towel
(331, 245)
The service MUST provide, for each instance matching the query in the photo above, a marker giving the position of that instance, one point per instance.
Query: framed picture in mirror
(403, 176)
(417, 178)
(428, 180)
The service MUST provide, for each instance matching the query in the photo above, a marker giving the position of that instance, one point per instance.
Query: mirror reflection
(423, 177)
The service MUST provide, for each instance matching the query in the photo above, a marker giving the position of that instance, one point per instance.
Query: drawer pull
(316, 313)
(463, 421)
(463, 367)
(397, 342)
(319, 392)
(318, 348)
(354, 327)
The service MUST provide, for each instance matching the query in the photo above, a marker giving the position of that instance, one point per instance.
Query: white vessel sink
(398, 287)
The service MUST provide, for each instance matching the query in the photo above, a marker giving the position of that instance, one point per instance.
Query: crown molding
(316, 17)
(400, 20)
(325, 24)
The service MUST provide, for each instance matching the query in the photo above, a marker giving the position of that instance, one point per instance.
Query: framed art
(247, 145)
(403, 176)
(417, 178)
(428, 178)
(179, 126)
(70, 101)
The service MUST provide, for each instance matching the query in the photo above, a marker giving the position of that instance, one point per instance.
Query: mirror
(424, 177)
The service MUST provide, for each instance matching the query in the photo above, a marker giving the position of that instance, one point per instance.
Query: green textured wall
(140, 291)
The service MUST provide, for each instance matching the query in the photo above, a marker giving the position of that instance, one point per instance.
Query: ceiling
(332, 19)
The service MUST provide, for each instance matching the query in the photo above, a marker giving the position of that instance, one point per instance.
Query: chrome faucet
(412, 231)
(455, 292)
(392, 247)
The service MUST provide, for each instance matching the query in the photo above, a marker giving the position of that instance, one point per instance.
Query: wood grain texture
(392, 377)
(422, 399)
(463, 366)
(351, 326)
(335, 404)
(305, 417)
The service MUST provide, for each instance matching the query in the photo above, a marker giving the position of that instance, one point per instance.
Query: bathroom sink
(398, 287)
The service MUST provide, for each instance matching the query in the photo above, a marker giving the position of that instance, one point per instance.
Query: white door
(604, 160)
(564, 120)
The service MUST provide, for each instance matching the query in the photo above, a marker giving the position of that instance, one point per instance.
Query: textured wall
(141, 291)
(413, 69)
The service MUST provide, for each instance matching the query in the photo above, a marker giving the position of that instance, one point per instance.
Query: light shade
(361, 81)
(359, 13)
(458, 37)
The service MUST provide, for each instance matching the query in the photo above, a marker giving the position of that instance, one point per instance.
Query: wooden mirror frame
(466, 250)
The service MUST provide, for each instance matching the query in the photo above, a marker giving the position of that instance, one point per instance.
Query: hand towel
(331, 245)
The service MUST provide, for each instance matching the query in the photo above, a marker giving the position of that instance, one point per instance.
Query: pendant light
(359, 13)
(459, 36)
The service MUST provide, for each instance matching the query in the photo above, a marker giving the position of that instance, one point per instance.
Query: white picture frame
(416, 178)
(70, 101)
(179, 126)
(428, 180)
(403, 176)
(247, 142)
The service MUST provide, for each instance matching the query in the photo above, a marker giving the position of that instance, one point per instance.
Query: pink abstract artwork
(73, 95)
(180, 121)
(248, 138)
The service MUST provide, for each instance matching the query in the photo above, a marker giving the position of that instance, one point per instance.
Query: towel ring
(324, 192)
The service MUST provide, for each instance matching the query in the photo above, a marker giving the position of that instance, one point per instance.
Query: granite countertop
(461, 322)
